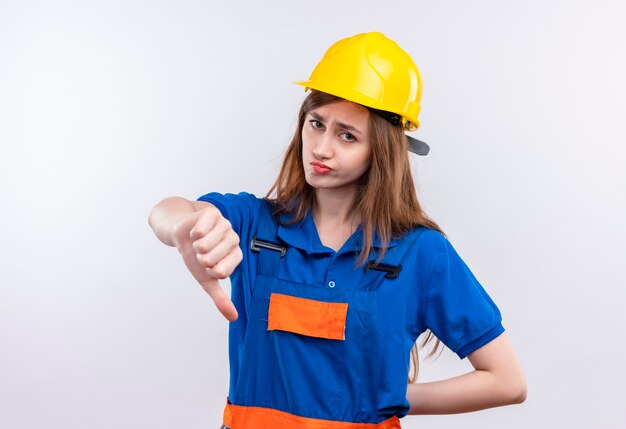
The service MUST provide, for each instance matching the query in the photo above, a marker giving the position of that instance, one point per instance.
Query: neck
(335, 206)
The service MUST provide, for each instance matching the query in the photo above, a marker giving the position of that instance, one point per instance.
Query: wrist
(167, 216)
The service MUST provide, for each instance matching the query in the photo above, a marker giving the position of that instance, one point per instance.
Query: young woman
(337, 271)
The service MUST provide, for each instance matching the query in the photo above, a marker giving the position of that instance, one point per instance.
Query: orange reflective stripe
(307, 316)
(239, 417)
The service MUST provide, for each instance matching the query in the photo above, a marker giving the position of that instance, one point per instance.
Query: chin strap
(417, 146)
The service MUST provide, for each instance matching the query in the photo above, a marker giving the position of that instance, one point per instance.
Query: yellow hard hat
(371, 70)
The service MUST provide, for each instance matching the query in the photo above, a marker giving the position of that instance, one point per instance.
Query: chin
(314, 184)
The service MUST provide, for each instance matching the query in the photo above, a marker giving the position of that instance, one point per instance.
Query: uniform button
(331, 283)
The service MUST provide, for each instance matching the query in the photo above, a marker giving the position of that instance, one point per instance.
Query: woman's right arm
(206, 241)
(165, 215)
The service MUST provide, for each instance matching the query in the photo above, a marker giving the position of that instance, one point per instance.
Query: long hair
(386, 197)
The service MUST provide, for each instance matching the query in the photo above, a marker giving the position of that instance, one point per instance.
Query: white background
(106, 107)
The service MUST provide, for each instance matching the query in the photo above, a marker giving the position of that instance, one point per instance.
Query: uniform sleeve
(455, 307)
(240, 209)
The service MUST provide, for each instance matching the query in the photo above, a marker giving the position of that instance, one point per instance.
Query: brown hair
(386, 198)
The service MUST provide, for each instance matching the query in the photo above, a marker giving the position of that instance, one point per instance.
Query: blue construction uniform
(362, 377)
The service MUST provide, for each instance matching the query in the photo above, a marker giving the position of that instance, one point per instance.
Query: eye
(316, 124)
(347, 137)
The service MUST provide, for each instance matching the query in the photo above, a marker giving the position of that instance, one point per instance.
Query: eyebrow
(320, 118)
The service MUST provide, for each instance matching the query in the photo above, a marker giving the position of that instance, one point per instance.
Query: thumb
(182, 228)
(222, 302)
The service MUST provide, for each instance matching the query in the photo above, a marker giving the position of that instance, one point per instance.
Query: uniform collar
(303, 235)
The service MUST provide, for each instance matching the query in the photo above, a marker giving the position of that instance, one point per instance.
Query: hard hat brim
(416, 146)
(357, 97)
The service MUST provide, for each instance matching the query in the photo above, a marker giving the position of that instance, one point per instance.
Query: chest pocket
(307, 317)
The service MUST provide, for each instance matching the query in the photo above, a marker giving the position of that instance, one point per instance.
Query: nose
(323, 148)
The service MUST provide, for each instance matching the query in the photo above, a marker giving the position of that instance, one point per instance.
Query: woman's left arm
(497, 379)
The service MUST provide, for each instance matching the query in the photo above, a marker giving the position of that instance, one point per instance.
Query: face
(336, 147)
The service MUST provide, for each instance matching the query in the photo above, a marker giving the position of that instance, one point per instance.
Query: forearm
(165, 214)
(473, 391)
(497, 379)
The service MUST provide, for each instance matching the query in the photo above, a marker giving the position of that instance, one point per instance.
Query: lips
(320, 168)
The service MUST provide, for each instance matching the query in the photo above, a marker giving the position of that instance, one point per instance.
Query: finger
(217, 253)
(182, 228)
(206, 221)
(221, 300)
(221, 231)
(227, 265)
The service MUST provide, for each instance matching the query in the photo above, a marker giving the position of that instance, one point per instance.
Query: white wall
(108, 106)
